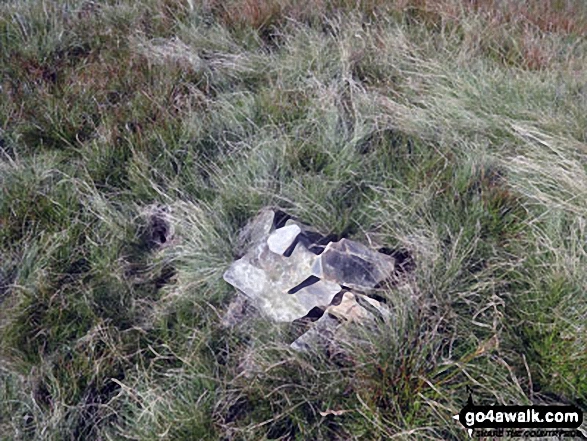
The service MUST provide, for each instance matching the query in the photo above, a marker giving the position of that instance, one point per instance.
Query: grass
(454, 131)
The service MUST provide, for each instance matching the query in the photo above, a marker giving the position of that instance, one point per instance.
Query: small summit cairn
(290, 272)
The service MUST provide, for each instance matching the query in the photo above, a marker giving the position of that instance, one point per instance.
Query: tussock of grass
(453, 132)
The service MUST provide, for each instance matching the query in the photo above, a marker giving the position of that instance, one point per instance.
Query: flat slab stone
(353, 265)
(281, 239)
(253, 282)
(349, 309)
(356, 307)
(282, 276)
(379, 309)
(257, 229)
(266, 277)
(319, 294)
(321, 333)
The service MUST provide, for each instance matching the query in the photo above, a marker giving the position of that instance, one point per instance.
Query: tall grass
(451, 131)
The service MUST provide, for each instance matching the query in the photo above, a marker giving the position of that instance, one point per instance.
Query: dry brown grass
(558, 16)
(261, 14)
(516, 32)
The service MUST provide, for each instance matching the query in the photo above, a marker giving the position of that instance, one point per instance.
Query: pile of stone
(291, 272)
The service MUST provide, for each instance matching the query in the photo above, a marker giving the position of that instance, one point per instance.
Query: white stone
(282, 238)
(266, 278)
(319, 294)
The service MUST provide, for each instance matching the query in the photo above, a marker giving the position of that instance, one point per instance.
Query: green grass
(453, 132)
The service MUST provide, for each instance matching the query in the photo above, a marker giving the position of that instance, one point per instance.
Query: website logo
(520, 421)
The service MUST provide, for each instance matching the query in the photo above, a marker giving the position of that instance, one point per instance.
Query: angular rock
(266, 278)
(257, 229)
(349, 309)
(311, 238)
(319, 294)
(282, 276)
(281, 239)
(353, 265)
(320, 333)
(290, 222)
(374, 306)
(355, 307)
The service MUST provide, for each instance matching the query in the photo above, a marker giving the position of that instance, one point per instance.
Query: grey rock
(256, 229)
(281, 239)
(355, 307)
(290, 222)
(319, 294)
(287, 286)
(320, 334)
(353, 265)
(266, 278)
(376, 308)
(330, 329)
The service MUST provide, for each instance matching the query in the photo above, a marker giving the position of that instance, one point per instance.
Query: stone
(290, 272)
(320, 334)
(283, 238)
(357, 307)
(331, 326)
(291, 222)
(373, 305)
(353, 265)
(257, 286)
(266, 278)
(349, 309)
(256, 229)
(319, 294)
